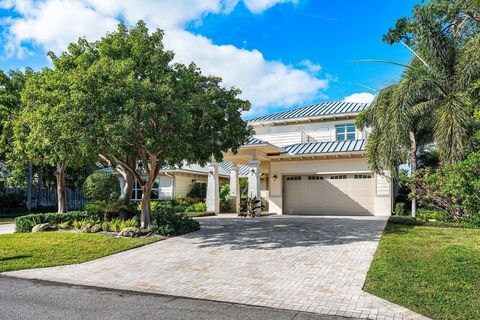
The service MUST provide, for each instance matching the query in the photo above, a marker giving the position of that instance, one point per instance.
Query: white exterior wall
(283, 135)
(383, 186)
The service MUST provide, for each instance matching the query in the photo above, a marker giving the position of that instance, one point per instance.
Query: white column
(235, 188)
(213, 189)
(254, 181)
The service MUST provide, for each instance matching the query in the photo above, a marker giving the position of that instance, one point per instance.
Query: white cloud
(312, 67)
(365, 97)
(53, 24)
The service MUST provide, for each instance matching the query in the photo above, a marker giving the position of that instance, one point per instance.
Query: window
(315, 178)
(345, 132)
(362, 176)
(137, 191)
(294, 178)
(339, 176)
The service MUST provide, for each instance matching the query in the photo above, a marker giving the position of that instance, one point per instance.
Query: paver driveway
(316, 264)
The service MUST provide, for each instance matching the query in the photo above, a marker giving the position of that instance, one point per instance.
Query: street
(38, 300)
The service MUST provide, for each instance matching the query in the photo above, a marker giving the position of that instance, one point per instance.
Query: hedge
(24, 224)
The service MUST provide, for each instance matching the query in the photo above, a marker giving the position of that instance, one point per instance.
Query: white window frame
(342, 130)
(137, 191)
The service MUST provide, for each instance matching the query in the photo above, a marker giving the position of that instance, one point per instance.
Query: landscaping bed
(432, 268)
(48, 249)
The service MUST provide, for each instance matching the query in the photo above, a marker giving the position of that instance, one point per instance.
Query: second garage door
(345, 194)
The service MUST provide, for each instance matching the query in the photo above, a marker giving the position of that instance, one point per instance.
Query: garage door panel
(340, 194)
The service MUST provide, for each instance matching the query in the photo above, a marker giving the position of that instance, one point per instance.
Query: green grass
(47, 249)
(432, 270)
(200, 214)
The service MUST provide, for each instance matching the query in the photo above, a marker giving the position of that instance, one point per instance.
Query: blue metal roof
(254, 141)
(242, 169)
(325, 147)
(316, 110)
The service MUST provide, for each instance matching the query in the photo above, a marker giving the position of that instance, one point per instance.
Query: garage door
(343, 194)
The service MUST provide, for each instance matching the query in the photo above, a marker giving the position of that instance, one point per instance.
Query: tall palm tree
(429, 101)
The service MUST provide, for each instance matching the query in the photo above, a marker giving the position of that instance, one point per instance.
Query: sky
(281, 53)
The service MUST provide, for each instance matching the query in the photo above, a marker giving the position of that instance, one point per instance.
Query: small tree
(49, 129)
(101, 186)
(142, 104)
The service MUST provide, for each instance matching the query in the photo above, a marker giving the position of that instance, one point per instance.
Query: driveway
(7, 228)
(315, 264)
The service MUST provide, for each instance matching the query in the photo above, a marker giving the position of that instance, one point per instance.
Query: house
(308, 160)
(178, 181)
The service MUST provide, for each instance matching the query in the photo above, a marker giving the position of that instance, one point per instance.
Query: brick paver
(314, 264)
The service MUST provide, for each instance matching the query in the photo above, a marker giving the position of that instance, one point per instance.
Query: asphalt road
(38, 300)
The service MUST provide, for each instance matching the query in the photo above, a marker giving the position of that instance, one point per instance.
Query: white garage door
(343, 194)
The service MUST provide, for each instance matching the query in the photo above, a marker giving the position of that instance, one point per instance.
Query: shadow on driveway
(271, 233)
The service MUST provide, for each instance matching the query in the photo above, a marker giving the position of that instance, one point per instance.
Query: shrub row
(25, 224)
(168, 221)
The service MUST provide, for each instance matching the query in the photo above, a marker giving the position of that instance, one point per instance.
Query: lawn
(434, 271)
(47, 249)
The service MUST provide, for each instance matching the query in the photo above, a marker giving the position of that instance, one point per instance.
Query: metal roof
(253, 141)
(325, 147)
(316, 110)
(242, 169)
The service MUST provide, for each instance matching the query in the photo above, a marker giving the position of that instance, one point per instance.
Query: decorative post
(213, 189)
(235, 188)
(254, 182)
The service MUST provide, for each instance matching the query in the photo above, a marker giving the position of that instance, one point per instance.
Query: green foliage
(169, 222)
(186, 201)
(425, 214)
(454, 188)
(433, 99)
(199, 190)
(25, 223)
(112, 209)
(102, 186)
(400, 209)
(197, 207)
(117, 225)
(64, 225)
(225, 205)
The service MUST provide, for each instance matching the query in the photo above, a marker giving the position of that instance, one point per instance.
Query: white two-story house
(309, 160)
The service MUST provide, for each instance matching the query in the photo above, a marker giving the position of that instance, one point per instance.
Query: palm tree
(428, 103)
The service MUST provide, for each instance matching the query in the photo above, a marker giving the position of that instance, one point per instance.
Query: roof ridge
(322, 108)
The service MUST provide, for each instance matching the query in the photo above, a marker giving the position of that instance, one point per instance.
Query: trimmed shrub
(102, 186)
(400, 209)
(24, 224)
(197, 207)
(425, 214)
(199, 190)
(112, 209)
(169, 222)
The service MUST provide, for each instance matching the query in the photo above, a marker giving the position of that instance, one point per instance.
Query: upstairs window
(345, 132)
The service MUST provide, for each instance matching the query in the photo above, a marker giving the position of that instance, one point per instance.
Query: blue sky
(280, 54)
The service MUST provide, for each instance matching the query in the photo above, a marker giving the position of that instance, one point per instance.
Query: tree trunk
(129, 179)
(61, 188)
(29, 187)
(146, 214)
(413, 169)
(40, 188)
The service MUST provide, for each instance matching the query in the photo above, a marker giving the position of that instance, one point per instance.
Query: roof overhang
(339, 116)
